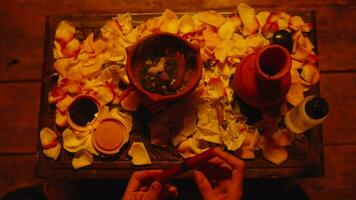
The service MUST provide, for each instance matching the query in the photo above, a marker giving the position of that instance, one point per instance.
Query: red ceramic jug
(262, 79)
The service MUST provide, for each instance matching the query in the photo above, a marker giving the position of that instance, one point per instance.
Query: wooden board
(305, 155)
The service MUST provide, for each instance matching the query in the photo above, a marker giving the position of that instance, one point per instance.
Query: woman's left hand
(142, 187)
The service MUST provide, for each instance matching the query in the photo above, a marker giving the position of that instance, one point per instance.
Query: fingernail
(156, 186)
(198, 176)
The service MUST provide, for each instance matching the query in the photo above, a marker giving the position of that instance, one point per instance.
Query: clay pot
(109, 136)
(155, 45)
(262, 79)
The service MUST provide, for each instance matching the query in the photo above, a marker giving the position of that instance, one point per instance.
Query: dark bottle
(309, 113)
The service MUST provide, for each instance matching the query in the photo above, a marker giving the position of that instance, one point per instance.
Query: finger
(219, 162)
(233, 161)
(153, 191)
(138, 177)
(172, 190)
(143, 189)
(203, 184)
(237, 177)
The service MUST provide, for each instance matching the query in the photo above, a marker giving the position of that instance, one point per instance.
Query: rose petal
(211, 38)
(170, 26)
(186, 24)
(91, 66)
(297, 23)
(282, 137)
(72, 48)
(269, 29)
(256, 41)
(65, 32)
(301, 54)
(222, 49)
(47, 137)
(295, 94)
(131, 102)
(139, 154)
(262, 17)
(53, 152)
(273, 153)
(103, 94)
(248, 18)
(226, 30)
(64, 103)
(57, 50)
(245, 153)
(125, 118)
(212, 18)
(82, 159)
(61, 118)
(236, 21)
(56, 94)
(310, 73)
(124, 21)
(215, 88)
(276, 155)
(283, 20)
(72, 141)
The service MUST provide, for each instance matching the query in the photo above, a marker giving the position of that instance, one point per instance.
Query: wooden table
(21, 48)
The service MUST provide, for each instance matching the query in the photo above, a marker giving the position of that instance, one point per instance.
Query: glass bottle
(309, 113)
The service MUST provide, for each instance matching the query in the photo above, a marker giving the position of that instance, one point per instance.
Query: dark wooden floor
(21, 47)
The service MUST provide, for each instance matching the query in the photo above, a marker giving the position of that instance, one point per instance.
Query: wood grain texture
(336, 38)
(22, 38)
(339, 89)
(19, 108)
(17, 171)
(340, 175)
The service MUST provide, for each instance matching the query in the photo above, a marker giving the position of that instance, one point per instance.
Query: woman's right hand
(221, 178)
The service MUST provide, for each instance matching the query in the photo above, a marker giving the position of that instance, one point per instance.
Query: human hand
(142, 187)
(225, 173)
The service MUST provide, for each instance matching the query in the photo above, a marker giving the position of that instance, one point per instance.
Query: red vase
(262, 79)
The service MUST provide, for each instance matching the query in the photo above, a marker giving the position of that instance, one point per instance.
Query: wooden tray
(305, 155)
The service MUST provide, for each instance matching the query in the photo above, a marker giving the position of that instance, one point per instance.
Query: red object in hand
(189, 163)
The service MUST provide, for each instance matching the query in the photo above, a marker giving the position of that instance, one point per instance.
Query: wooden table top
(21, 46)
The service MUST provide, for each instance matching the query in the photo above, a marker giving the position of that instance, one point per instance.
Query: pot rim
(285, 69)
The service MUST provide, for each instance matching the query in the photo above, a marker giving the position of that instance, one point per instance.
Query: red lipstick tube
(189, 163)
